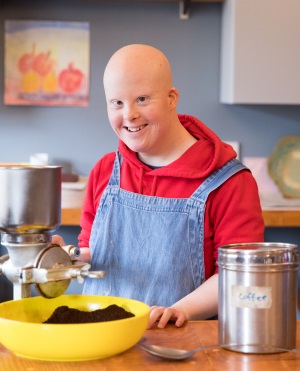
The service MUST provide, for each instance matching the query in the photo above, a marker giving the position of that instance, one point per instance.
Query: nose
(131, 113)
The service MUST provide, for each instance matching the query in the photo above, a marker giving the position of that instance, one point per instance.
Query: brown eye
(117, 103)
(142, 99)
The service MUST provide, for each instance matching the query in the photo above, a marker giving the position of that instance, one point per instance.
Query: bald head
(138, 62)
(142, 104)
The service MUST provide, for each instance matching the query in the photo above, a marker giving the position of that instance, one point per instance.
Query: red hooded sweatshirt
(233, 212)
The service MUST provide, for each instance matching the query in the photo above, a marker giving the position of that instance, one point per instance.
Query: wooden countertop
(272, 218)
(193, 334)
(282, 218)
(70, 216)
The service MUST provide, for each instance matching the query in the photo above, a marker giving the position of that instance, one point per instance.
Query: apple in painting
(25, 62)
(70, 79)
(42, 63)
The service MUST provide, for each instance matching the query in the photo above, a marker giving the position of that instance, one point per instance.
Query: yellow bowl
(23, 333)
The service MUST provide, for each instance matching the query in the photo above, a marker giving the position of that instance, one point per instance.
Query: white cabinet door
(260, 52)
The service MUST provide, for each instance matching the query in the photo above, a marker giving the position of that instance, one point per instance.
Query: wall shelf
(272, 218)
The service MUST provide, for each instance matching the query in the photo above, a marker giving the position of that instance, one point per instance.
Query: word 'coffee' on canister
(258, 285)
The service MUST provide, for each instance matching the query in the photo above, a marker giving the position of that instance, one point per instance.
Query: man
(156, 211)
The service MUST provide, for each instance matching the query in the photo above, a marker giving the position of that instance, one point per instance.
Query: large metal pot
(30, 199)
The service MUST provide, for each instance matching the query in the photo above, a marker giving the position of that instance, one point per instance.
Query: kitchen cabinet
(272, 218)
(260, 52)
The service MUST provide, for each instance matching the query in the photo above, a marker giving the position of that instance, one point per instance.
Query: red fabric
(233, 212)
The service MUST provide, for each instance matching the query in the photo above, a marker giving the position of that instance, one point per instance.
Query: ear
(173, 97)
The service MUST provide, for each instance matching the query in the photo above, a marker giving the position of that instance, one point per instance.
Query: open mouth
(133, 130)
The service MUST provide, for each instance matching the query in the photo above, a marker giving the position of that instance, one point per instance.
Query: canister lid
(258, 253)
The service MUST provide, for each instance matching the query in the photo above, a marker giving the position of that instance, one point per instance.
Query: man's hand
(58, 240)
(163, 315)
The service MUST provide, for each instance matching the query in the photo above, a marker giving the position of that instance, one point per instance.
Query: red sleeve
(233, 215)
(97, 182)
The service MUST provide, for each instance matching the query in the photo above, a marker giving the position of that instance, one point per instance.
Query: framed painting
(47, 63)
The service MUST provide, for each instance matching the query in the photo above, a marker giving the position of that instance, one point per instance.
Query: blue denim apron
(150, 247)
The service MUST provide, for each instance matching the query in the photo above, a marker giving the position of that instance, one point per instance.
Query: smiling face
(141, 102)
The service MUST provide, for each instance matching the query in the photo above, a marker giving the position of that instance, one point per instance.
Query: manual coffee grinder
(30, 209)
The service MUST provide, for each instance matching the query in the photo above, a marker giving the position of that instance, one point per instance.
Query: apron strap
(217, 178)
(115, 178)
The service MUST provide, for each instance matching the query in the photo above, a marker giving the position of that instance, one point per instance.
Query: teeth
(136, 129)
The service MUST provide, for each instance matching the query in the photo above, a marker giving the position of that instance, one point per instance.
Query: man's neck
(169, 153)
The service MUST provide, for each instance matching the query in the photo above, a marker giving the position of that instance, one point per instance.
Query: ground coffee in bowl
(66, 315)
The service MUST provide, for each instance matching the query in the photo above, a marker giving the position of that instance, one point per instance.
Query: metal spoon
(174, 353)
(181, 354)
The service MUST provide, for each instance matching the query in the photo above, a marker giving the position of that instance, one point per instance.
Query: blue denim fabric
(151, 247)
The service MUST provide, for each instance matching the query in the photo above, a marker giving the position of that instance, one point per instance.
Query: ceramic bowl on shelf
(23, 332)
(284, 166)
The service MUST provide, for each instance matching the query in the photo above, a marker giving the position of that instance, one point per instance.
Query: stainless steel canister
(258, 296)
(30, 199)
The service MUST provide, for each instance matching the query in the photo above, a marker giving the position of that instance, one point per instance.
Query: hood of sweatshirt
(208, 154)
